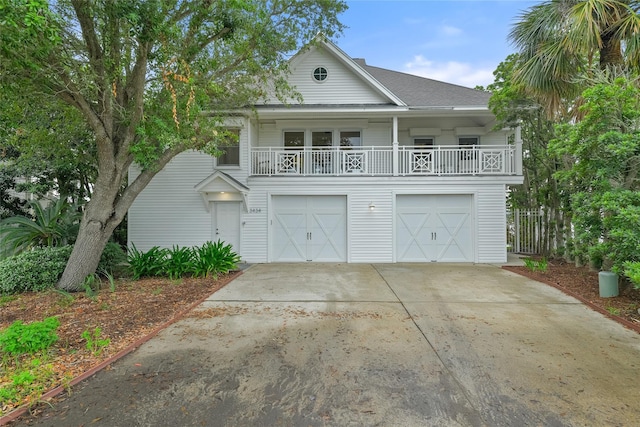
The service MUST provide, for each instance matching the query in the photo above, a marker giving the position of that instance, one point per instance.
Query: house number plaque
(255, 210)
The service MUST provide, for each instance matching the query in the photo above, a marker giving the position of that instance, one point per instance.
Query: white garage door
(309, 228)
(434, 228)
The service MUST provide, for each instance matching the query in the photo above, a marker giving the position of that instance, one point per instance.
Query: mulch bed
(134, 310)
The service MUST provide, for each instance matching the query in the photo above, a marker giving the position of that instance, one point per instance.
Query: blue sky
(457, 41)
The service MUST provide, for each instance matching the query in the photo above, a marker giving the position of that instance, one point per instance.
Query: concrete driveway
(373, 345)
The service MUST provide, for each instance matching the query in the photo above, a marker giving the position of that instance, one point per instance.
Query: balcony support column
(395, 156)
(518, 151)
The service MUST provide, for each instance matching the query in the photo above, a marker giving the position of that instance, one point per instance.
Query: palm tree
(562, 41)
(54, 225)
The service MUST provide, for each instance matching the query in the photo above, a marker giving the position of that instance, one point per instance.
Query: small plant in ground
(110, 278)
(95, 344)
(613, 310)
(536, 265)
(20, 339)
(66, 299)
(147, 264)
(113, 260)
(91, 285)
(179, 262)
(6, 299)
(27, 383)
(214, 258)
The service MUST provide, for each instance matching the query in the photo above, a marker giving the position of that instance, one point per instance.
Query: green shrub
(632, 271)
(208, 259)
(147, 264)
(34, 270)
(20, 339)
(113, 259)
(179, 262)
(214, 258)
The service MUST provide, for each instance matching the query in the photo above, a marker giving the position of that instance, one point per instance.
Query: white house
(374, 166)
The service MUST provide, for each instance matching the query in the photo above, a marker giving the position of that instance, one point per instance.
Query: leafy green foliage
(34, 270)
(604, 157)
(560, 41)
(179, 262)
(27, 382)
(632, 271)
(147, 264)
(40, 268)
(208, 259)
(515, 107)
(140, 73)
(53, 225)
(113, 260)
(10, 205)
(536, 265)
(214, 258)
(95, 344)
(20, 338)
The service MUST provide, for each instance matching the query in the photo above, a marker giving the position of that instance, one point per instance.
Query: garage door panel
(328, 236)
(313, 228)
(434, 228)
(412, 236)
(291, 231)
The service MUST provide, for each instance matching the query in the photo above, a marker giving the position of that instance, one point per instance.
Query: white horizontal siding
(169, 211)
(491, 224)
(254, 227)
(342, 85)
(370, 231)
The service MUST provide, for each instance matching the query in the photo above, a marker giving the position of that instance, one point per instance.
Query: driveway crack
(451, 373)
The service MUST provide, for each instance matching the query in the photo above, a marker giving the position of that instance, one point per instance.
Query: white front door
(309, 228)
(434, 228)
(226, 223)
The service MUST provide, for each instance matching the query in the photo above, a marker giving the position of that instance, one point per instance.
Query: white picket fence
(524, 231)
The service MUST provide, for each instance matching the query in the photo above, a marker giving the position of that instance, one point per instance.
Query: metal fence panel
(525, 231)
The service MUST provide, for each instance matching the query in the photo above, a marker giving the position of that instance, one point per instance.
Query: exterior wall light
(371, 206)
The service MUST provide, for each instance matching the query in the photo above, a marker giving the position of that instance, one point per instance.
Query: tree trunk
(610, 52)
(84, 259)
(98, 223)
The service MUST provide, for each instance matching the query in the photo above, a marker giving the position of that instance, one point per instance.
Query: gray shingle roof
(418, 91)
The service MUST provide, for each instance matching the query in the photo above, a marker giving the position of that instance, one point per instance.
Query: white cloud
(450, 31)
(464, 74)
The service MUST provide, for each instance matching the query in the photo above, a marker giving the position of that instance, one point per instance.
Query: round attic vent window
(320, 74)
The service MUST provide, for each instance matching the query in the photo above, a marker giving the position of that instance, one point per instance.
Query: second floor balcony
(388, 161)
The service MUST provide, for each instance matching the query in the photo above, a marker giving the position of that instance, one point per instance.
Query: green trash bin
(608, 284)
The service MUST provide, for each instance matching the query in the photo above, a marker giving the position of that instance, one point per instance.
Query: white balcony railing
(379, 161)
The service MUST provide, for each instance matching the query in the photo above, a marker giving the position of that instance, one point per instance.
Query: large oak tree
(143, 73)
